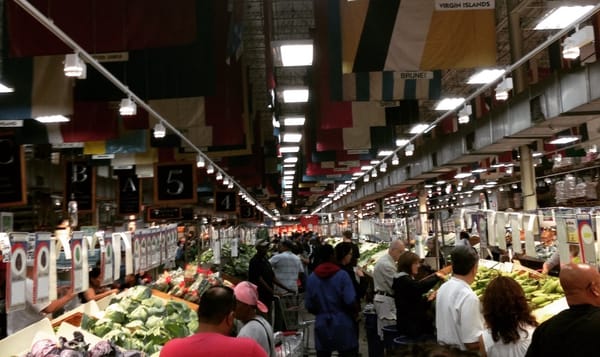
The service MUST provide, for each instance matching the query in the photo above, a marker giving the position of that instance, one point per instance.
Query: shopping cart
(289, 344)
(297, 320)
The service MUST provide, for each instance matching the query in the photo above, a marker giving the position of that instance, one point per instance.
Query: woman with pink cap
(255, 326)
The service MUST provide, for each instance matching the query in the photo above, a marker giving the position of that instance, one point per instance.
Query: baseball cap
(247, 293)
(262, 243)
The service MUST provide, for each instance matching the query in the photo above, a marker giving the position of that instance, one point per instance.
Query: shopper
(384, 272)
(414, 317)
(508, 319)
(216, 320)
(330, 297)
(95, 290)
(17, 320)
(458, 319)
(287, 268)
(573, 331)
(347, 237)
(554, 260)
(261, 274)
(255, 326)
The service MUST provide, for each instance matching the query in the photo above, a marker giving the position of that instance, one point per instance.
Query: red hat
(247, 293)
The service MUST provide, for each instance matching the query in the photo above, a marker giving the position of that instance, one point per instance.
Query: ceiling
(254, 160)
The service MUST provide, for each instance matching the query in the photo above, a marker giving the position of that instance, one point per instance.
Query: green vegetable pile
(238, 266)
(140, 321)
(367, 257)
(539, 291)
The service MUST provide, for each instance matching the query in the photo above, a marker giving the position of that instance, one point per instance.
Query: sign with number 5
(175, 182)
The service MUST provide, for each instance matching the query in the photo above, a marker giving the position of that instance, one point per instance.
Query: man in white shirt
(458, 318)
(384, 272)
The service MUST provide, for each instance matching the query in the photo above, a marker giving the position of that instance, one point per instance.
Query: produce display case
(543, 292)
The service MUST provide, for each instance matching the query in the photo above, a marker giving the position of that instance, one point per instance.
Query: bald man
(573, 331)
(384, 272)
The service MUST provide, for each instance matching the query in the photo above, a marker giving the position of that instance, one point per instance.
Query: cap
(247, 293)
(261, 243)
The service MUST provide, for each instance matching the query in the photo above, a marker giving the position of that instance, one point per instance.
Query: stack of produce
(189, 284)
(368, 257)
(540, 290)
(139, 321)
(237, 266)
(77, 347)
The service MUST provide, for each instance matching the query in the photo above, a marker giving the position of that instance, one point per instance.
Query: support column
(423, 213)
(527, 179)
(515, 37)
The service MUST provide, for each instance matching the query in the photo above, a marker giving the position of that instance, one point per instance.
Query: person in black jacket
(413, 317)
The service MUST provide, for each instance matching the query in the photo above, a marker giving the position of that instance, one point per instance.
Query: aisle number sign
(585, 236)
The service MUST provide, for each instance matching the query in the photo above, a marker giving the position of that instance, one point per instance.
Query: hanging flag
(235, 8)
(116, 25)
(40, 88)
(417, 35)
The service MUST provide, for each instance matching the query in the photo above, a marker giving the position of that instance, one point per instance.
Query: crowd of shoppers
(450, 319)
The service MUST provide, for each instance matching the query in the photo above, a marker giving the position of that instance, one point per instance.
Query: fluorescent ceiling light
(374, 162)
(419, 128)
(290, 160)
(561, 17)
(291, 53)
(486, 76)
(295, 95)
(385, 153)
(289, 172)
(292, 137)
(287, 149)
(289, 165)
(449, 103)
(52, 119)
(564, 140)
(462, 175)
(537, 154)
(287, 193)
(478, 171)
(357, 174)
(6, 89)
(402, 142)
(366, 167)
(294, 121)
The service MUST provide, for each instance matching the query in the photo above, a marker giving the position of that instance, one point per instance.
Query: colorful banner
(572, 235)
(515, 226)
(79, 262)
(41, 268)
(16, 276)
(106, 258)
(587, 245)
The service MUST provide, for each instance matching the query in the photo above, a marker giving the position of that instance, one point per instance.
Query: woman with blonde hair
(508, 318)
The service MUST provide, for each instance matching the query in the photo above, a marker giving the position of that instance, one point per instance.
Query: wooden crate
(73, 319)
(168, 297)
